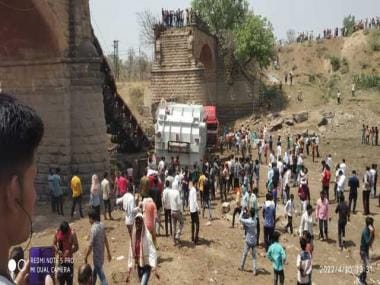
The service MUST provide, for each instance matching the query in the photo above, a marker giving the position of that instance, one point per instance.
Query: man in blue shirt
(250, 238)
(269, 215)
(365, 243)
(353, 183)
(276, 254)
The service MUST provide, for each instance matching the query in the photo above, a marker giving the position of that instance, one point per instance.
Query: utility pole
(116, 58)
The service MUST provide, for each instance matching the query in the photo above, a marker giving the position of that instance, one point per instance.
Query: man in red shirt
(326, 176)
(122, 185)
(66, 243)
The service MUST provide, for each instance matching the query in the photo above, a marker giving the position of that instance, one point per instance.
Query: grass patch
(367, 81)
(374, 40)
(345, 66)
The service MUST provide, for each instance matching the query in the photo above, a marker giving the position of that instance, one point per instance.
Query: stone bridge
(188, 68)
(51, 60)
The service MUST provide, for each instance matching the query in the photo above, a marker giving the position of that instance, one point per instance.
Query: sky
(117, 20)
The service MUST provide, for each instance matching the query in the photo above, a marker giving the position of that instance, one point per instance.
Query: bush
(311, 78)
(374, 40)
(335, 63)
(345, 68)
(366, 81)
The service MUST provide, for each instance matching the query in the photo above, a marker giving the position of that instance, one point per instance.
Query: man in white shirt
(329, 161)
(128, 202)
(289, 212)
(194, 209)
(306, 223)
(372, 172)
(343, 166)
(106, 192)
(176, 213)
(340, 184)
(167, 209)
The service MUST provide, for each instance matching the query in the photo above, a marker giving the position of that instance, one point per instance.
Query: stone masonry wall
(179, 74)
(65, 88)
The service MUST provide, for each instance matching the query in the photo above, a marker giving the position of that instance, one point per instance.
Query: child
(276, 254)
(304, 265)
(289, 211)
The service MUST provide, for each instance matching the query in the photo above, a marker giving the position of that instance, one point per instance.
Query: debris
(301, 117)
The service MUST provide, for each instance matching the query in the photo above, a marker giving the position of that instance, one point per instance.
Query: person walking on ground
(353, 183)
(76, 188)
(98, 241)
(277, 255)
(150, 217)
(250, 239)
(201, 185)
(367, 238)
(304, 265)
(373, 172)
(363, 134)
(106, 192)
(130, 210)
(167, 210)
(176, 214)
(306, 223)
(142, 252)
(206, 198)
(366, 191)
(289, 212)
(57, 191)
(269, 215)
(322, 215)
(95, 195)
(194, 209)
(326, 177)
(338, 97)
(340, 184)
(144, 186)
(238, 200)
(66, 244)
(343, 212)
(353, 89)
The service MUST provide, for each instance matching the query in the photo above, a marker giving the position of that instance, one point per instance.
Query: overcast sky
(116, 19)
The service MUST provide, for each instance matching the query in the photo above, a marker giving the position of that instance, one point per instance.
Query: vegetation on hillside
(241, 33)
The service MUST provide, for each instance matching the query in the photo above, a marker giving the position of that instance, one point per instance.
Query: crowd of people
(169, 189)
(176, 18)
(364, 24)
(370, 135)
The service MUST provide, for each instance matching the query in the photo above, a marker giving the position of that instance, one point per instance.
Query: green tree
(221, 15)
(349, 24)
(254, 40)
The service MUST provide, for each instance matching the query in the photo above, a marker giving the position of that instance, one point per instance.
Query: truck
(212, 124)
(185, 130)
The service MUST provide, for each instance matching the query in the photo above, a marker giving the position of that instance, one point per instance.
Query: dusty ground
(216, 259)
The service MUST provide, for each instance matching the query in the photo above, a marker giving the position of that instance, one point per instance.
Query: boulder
(289, 122)
(301, 117)
(276, 125)
(323, 122)
(328, 115)
(226, 207)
